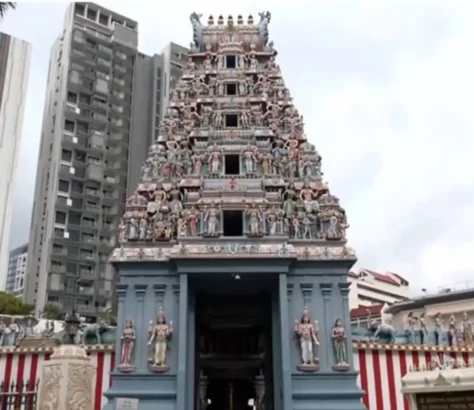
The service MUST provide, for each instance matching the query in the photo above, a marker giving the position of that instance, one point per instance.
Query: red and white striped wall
(381, 369)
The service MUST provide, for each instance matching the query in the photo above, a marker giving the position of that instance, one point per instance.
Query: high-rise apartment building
(100, 97)
(17, 270)
(15, 58)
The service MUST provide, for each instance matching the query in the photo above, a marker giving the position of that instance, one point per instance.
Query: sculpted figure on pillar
(307, 334)
(128, 343)
(467, 330)
(339, 343)
(160, 336)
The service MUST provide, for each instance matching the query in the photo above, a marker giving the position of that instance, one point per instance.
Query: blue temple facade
(233, 258)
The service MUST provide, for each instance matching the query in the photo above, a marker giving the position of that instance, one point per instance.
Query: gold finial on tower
(250, 20)
(240, 19)
(220, 20)
(210, 20)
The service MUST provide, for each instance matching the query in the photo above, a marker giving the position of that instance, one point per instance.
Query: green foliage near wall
(11, 305)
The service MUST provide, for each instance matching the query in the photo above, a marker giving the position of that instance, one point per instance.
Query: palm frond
(4, 7)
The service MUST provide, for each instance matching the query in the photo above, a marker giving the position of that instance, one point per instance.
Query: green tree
(4, 7)
(11, 305)
(52, 312)
(109, 316)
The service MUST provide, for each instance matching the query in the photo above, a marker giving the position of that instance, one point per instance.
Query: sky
(386, 89)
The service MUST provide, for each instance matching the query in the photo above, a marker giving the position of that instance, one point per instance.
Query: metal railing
(19, 396)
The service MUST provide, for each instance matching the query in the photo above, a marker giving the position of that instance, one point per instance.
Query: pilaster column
(182, 291)
(121, 292)
(306, 290)
(140, 334)
(289, 291)
(344, 288)
(285, 343)
(159, 291)
(326, 290)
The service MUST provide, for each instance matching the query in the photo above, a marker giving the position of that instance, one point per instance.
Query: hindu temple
(233, 258)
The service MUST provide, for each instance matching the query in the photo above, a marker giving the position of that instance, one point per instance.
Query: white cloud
(386, 89)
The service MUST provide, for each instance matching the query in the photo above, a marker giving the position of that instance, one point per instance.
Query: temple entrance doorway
(234, 369)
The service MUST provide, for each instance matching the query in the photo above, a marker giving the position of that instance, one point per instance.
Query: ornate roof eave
(140, 252)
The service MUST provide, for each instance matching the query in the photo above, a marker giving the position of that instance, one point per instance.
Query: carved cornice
(176, 287)
(306, 290)
(326, 289)
(289, 290)
(160, 290)
(140, 290)
(121, 290)
(344, 288)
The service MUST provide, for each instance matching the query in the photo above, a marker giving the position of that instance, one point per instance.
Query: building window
(230, 61)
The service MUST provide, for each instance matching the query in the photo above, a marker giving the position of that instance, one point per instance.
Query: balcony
(95, 172)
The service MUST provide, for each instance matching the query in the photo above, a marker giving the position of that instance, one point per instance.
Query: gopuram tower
(233, 262)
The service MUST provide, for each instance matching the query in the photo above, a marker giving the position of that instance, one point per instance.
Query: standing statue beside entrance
(307, 334)
(160, 334)
(128, 341)
(339, 342)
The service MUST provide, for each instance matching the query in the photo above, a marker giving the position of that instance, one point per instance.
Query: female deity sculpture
(307, 334)
(197, 163)
(339, 342)
(254, 220)
(160, 334)
(128, 342)
(211, 219)
(466, 330)
(192, 218)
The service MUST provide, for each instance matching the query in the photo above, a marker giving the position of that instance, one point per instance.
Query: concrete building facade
(15, 59)
(92, 139)
(370, 288)
(17, 270)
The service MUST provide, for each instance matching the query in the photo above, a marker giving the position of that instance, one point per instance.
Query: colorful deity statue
(128, 343)
(339, 343)
(307, 333)
(160, 335)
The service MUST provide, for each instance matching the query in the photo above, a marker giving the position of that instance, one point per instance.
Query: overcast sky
(386, 90)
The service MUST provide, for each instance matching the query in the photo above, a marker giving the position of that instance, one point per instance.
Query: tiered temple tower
(233, 260)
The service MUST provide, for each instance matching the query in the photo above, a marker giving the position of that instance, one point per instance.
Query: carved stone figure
(423, 330)
(250, 160)
(467, 330)
(307, 334)
(265, 18)
(160, 335)
(192, 219)
(438, 330)
(255, 220)
(452, 331)
(128, 342)
(215, 160)
(197, 31)
(339, 342)
(211, 220)
(411, 328)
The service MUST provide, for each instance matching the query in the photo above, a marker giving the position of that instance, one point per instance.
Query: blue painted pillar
(191, 351)
(121, 291)
(182, 342)
(344, 289)
(140, 342)
(326, 289)
(285, 342)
